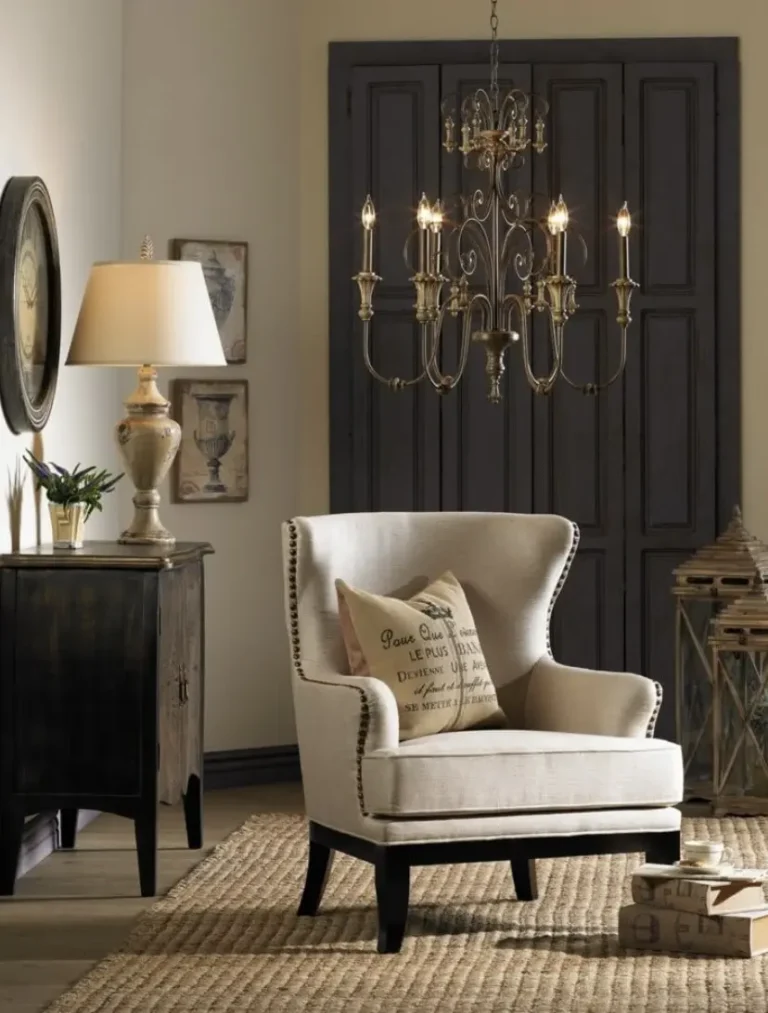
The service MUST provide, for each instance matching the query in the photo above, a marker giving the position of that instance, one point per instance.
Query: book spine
(649, 928)
(677, 895)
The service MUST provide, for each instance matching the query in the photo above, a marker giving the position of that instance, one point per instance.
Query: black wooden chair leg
(392, 888)
(318, 869)
(146, 846)
(11, 831)
(68, 827)
(664, 848)
(524, 878)
(193, 812)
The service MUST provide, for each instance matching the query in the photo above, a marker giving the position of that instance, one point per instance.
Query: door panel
(55, 628)
(670, 454)
(395, 115)
(578, 452)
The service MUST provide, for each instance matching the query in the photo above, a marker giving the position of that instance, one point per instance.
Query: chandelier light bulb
(424, 213)
(368, 213)
(561, 215)
(436, 216)
(624, 221)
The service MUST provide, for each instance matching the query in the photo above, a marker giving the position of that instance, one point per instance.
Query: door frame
(344, 338)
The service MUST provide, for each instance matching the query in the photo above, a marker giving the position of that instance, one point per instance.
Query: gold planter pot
(67, 525)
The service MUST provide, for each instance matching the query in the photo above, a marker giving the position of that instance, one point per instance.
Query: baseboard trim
(239, 768)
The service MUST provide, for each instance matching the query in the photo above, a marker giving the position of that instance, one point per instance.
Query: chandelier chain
(494, 56)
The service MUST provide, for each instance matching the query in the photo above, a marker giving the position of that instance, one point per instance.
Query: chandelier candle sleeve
(423, 219)
(369, 220)
(623, 225)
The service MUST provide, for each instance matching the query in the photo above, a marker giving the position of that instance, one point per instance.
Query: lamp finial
(147, 251)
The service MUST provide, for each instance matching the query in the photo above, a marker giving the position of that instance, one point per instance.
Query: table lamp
(146, 313)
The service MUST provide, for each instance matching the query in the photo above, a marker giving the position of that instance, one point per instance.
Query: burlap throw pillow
(427, 651)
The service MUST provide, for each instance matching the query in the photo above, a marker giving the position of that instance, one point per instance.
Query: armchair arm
(343, 704)
(565, 699)
(339, 718)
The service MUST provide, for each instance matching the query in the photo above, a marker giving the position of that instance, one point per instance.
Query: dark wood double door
(649, 469)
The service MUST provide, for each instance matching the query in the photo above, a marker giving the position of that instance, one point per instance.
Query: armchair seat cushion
(518, 770)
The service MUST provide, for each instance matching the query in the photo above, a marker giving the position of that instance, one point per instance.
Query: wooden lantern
(739, 644)
(717, 574)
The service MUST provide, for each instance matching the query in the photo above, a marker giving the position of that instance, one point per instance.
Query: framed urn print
(30, 304)
(225, 266)
(212, 463)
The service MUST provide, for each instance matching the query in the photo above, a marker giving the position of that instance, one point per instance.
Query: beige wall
(60, 116)
(340, 20)
(210, 151)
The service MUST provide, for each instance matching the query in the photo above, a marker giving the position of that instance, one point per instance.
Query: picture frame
(212, 463)
(225, 266)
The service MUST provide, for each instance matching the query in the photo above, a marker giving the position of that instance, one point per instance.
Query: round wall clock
(30, 304)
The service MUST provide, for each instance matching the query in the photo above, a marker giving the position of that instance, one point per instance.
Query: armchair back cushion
(427, 651)
(510, 566)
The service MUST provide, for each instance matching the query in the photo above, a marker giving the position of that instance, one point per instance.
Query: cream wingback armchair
(576, 772)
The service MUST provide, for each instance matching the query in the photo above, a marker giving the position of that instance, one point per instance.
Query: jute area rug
(227, 939)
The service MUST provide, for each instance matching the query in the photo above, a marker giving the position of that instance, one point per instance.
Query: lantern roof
(735, 562)
(742, 624)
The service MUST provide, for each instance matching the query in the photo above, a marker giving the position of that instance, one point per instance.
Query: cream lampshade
(144, 314)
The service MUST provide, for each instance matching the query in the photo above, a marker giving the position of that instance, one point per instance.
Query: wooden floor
(77, 906)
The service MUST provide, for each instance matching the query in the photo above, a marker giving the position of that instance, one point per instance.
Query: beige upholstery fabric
(511, 567)
(426, 649)
(565, 699)
(536, 824)
(516, 770)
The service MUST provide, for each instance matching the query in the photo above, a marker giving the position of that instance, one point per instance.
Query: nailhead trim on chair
(563, 578)
(654, 717)
(293, 610)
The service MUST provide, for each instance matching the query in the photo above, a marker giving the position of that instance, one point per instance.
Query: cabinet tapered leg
(11, 830)
(193, 812)
(524, 878)
(392, 889)
(318, 867)
(68, 827)
(146, 846)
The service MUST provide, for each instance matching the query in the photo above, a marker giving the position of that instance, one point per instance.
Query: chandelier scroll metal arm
(540, 384)
(396, 382)
(624, 287)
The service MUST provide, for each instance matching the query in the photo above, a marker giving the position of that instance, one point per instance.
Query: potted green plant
(72, 497)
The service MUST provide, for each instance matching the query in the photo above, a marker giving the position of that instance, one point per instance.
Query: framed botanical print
(225, 266)
(212, 463)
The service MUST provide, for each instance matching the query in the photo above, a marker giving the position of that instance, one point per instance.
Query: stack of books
(676, 910)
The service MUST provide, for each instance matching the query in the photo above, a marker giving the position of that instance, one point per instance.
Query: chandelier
(492, 258)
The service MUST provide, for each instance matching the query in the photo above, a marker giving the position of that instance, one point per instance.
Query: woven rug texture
(227, 939)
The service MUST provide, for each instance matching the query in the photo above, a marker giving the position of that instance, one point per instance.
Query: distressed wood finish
(650, 469)
(101, 690)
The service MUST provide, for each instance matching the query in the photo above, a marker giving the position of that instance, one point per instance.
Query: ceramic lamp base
(148, 439)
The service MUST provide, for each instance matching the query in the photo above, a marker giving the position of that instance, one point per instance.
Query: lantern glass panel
(695, 695)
